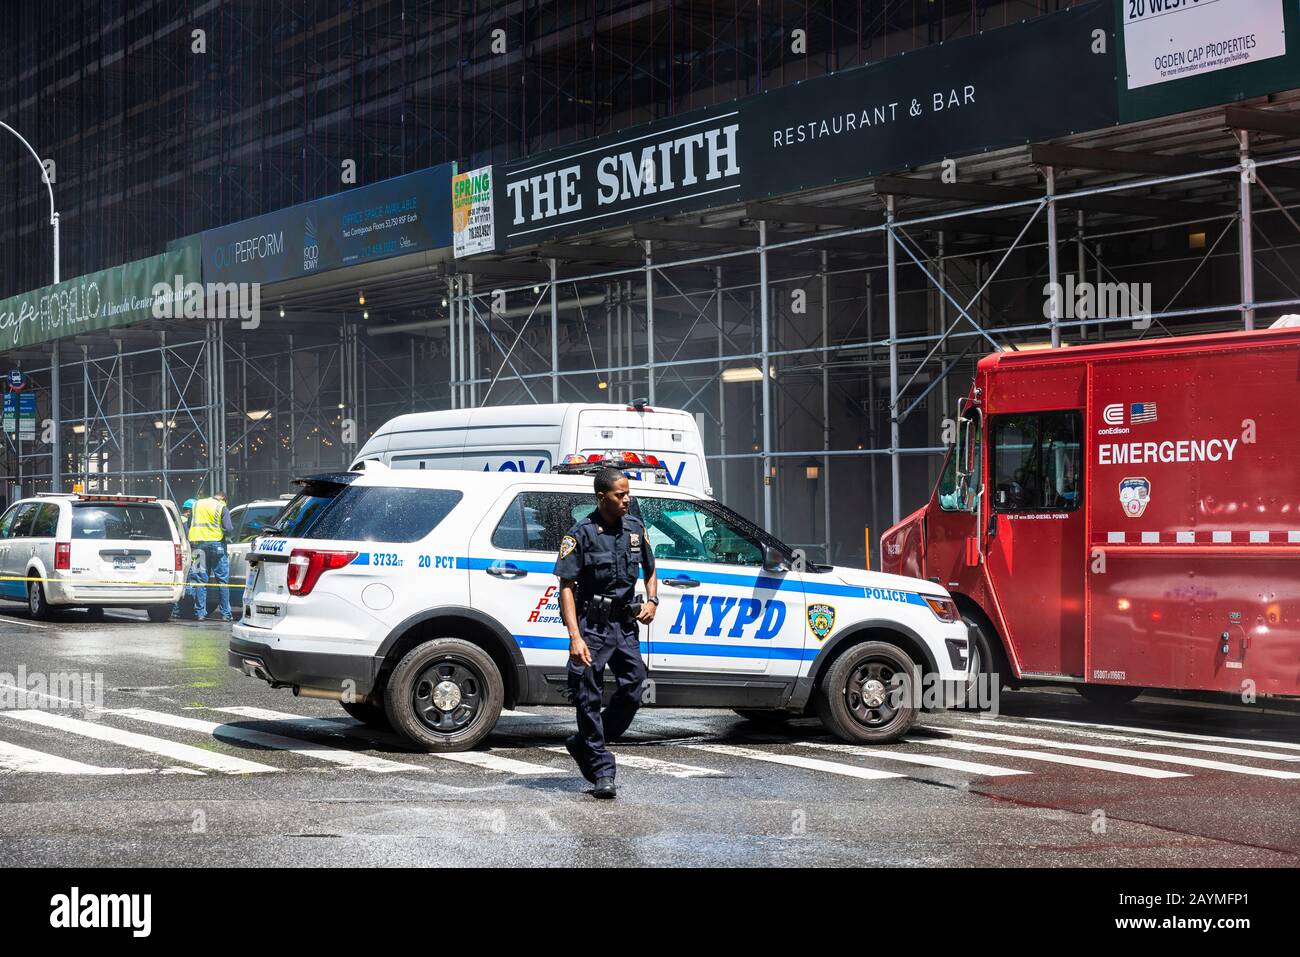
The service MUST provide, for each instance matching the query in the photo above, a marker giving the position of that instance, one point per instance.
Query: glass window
(376, 513)
(22, 527)
(105, 521)
(686, 530)
(536, 521)
(254, 518)
(962, 499)
(7, 521)
(1037, 462)
(46, 522)
(302, 510)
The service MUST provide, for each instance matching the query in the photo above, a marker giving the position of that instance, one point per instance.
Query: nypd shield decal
(821, 619)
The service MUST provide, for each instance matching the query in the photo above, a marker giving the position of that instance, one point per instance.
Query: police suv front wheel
(861, 699)
(444, 695)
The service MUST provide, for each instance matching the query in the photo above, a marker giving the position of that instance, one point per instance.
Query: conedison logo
(75, 909)
(214, 300)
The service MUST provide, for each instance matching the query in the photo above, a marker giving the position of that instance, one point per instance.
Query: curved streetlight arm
(54, 216)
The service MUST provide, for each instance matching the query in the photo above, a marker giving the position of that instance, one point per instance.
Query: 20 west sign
(1173, 39)
(1037, 80)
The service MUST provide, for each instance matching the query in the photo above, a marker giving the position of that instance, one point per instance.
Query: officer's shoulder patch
(567, 544)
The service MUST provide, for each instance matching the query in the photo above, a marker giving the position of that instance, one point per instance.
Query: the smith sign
(647, 173)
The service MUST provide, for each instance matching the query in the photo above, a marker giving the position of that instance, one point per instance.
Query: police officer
(600, 561)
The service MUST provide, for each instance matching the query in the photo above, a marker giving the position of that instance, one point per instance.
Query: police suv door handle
(506, 570)
(682, 582)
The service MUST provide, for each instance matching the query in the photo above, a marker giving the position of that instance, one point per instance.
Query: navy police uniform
(605, 561)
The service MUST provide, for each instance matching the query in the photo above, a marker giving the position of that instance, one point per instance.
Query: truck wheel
(444, 695)
(984, 661)
(370, 713)
(766, 717)
(857, 699)
(37, 606)
(1108, 696)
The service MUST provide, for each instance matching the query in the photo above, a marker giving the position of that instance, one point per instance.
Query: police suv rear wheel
(444, 695)
(859, 699)
(370, 713)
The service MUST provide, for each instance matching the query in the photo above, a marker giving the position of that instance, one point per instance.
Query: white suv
(92, 551)
(426, 600)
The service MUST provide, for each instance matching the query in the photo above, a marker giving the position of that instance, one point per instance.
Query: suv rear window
(375, 513)
(99, 520)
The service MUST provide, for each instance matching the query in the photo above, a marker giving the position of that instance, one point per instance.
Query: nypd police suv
(426, 600)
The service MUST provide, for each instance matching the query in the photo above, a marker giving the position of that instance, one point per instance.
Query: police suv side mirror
(774, 560)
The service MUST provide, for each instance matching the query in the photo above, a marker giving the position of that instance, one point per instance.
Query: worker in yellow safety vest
(210, 529)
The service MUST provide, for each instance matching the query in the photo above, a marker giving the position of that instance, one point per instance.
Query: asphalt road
(186, 762)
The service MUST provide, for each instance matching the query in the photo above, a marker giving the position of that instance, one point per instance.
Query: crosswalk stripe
(797, 761)
(1133, 739)
(480, 759)
(654, 765)
(1128, 753)
(929, 760)
(1289, 745)
(1049, 757)
(14, 757)
(212, 760)
(275, 742)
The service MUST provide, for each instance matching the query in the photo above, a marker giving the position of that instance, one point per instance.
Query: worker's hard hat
(189, 503)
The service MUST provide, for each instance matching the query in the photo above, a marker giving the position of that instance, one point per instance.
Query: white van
(533, 438)
(95, 551)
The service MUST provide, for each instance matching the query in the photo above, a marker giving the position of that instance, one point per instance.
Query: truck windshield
(1036, 462)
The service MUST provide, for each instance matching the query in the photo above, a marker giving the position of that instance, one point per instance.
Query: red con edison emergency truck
(1125, 515)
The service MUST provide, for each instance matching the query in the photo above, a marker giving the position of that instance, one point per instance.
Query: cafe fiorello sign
(96, 301)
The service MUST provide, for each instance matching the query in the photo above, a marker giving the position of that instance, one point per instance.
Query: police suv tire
(1108, 696)
(840, 707)
(157, 613)
(37, 605)
(370, 712)
(762, 716)
(456, 656)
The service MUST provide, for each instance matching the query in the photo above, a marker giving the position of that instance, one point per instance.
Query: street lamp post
(55, 451)
(54, 216)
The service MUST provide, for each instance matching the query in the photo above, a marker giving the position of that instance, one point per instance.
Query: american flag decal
(1140, 412)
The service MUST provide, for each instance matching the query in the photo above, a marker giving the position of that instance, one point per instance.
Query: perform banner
(1024, 83)
(96, 301)
(393, 217)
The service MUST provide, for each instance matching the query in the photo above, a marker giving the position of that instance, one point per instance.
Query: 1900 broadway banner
(1040, 79)
(99, 300)
(395, 216)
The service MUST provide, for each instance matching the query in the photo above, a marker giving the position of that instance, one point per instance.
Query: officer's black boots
(604, 788)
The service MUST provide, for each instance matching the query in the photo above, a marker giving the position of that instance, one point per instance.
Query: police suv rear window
(374, 513)
(536, 521)
(104, 520)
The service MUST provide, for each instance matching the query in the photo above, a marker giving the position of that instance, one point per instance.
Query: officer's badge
(567, 544)
(634, 540)
(821, 619)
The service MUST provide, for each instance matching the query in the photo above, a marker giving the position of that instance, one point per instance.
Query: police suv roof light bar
(624, 461)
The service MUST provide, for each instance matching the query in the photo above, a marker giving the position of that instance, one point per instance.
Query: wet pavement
(187, 762)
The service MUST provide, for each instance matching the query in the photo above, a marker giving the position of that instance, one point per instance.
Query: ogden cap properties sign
(1039, 79)
(395, 216)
